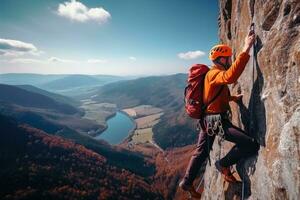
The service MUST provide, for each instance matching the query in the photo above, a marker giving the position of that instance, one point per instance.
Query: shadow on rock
(254, 120)
(254, 116)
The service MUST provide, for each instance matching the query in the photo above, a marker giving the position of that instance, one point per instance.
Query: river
(118, 128)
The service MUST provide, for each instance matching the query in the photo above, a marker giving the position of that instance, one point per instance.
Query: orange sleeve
(233, 73)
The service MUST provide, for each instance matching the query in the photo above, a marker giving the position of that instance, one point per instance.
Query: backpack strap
(185, 89)
(212, 100)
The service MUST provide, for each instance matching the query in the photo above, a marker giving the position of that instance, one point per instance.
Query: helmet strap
(226, 65)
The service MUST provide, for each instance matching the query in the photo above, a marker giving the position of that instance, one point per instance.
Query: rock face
(270, 111)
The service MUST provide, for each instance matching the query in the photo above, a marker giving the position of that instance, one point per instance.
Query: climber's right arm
(231, 75)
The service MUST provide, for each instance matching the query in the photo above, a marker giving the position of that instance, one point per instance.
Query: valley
(148, 149)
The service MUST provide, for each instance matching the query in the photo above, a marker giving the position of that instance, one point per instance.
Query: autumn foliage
(35, 165)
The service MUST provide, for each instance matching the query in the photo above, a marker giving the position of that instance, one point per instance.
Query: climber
(216, 120)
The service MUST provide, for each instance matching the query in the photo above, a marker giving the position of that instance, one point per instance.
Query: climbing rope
(253, 77)
(251, 109)
(200, 183)
(243, 184)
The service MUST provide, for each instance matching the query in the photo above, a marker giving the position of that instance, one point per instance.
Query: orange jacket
(218, 76)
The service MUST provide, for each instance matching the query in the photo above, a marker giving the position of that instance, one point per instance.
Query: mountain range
(66, 84)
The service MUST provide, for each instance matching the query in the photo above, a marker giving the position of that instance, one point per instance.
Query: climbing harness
(214, 127)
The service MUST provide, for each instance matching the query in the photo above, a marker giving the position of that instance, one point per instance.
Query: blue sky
(120, 37)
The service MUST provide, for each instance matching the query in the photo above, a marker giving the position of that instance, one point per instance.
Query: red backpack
(193, 92)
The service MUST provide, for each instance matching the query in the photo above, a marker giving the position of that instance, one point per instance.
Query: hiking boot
(226, 172)
(190, 189)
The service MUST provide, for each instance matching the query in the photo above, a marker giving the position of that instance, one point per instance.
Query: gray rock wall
(270, 111)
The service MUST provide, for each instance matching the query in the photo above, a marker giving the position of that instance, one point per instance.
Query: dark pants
(244, 146)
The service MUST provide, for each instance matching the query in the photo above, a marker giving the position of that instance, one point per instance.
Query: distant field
(131, 112)
(142, 110)
(148, 121)
(146, 116)
(142, 135)
(98, 112)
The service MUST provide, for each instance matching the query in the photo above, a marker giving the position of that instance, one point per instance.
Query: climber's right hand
(249, 40)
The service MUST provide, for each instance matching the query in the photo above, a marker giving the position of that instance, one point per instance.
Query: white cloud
(52, 60)
(55, 59)
(77, 11)
(96, 61)
(9, 53)
(191, 55)
(26, 60)
(14, 48)
(132, 58)
(40, 61)
(16, 45)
